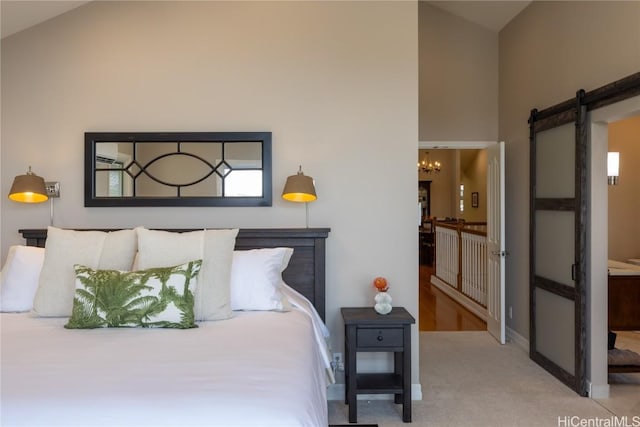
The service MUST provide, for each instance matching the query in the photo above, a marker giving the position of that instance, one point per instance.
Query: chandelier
(426, 165)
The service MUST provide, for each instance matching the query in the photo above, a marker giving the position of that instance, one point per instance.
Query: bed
(624, 312)
(258, 368)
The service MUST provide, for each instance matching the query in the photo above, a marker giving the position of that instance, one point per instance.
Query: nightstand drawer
(379, 337)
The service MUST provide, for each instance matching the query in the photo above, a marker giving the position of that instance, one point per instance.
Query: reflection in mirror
(243, 183)
(244, 155)
(178, 169)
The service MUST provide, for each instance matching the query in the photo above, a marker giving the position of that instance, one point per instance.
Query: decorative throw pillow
(65, 248)
(155, 298)
(256, 279)
(19, 278)
(215, 247)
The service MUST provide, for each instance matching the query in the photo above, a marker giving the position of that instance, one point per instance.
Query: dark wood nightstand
(367, 331)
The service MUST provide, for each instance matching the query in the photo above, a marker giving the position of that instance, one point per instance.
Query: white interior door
(495, 242)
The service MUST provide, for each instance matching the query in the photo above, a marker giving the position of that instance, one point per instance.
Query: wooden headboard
(306, 270)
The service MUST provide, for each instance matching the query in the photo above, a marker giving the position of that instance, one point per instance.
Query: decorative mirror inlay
(178, 169)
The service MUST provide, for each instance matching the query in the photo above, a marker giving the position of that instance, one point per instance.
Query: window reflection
(243, 183)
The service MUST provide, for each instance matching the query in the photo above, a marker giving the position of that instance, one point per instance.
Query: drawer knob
(380, 338)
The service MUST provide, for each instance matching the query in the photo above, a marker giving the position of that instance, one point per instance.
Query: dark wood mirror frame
(91, 199)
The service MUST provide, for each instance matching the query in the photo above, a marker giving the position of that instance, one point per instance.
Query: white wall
(336, 83)
(537, 71)
(458, 78)
(547, 53)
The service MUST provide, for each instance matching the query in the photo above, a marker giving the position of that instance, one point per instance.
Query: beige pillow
(64, 248)
(215, 249)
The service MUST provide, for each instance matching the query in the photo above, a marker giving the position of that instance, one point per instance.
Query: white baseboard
(336, 392)
(416, 391)
(520, 341)
(461, 299)
(598, 391)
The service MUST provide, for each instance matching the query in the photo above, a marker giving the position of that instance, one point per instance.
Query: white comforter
(256, 369)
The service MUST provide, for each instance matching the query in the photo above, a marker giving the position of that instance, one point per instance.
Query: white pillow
(256, 279)
(214, 247)
(64, 248)
(19, 278)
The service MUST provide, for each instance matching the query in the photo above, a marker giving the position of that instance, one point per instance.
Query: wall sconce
(31, 188)
(613, 167)
(300, 188)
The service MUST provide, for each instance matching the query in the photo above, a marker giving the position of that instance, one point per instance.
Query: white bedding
(256, 369)
(618, 268)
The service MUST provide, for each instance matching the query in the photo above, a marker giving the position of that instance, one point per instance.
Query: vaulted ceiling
(18, 15)
(493, 15)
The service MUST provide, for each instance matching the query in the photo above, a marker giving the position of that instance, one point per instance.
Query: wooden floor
(439, 312)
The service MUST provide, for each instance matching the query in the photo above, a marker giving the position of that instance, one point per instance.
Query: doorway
(624, 246)
(456, 191)
(598, 230)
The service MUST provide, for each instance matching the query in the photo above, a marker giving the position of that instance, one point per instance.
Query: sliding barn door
(557, 241)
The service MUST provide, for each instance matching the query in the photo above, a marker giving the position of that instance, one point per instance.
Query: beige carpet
(469, 380)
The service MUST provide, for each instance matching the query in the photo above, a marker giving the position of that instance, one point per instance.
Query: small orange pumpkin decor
(380, 283)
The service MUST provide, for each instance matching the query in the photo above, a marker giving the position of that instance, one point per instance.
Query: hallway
(439, 312)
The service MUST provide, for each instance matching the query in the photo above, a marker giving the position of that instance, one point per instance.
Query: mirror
(178, 169)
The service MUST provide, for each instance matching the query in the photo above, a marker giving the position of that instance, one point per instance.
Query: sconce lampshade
(613, 167)
(28, 188)
(299, 188)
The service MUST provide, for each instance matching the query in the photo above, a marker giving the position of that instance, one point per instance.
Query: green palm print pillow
(154, 298)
